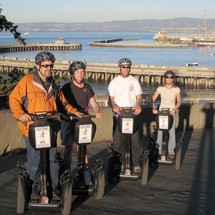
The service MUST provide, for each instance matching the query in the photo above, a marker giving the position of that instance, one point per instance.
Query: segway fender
(178, 156)
(65, 183)
(145, 167)
(25, 186)
(97, 165)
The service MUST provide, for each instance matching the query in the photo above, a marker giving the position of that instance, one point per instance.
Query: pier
(112, 43)
(185, 76)
(40, 47)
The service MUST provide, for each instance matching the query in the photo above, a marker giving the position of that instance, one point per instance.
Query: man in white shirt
(125, 92)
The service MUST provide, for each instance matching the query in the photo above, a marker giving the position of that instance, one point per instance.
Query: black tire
(99, 181)
(21, 202)
(67, 202)
(110, 172)
(145, 171)
(114, 168)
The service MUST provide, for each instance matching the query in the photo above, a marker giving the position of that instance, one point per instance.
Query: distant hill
(149, 25)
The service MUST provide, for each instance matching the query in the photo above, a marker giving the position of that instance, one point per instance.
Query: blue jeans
(33, 162)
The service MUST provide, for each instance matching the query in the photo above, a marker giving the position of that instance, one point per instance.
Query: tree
(9, 26)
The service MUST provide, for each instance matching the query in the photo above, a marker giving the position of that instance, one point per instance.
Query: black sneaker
(56, 195)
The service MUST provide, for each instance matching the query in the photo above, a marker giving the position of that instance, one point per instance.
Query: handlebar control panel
(127, 121)
(85, 130)
(164, 119)
(42, 133)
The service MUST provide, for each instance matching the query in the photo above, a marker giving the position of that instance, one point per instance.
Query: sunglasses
(169, 77)
(47, 66)
(125, 67)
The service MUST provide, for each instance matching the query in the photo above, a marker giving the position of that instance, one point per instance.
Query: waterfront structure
(186, 76)
(197, 40)
(57, 46)
(113, 43)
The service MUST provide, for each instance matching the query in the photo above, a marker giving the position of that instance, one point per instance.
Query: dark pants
(67, 136)
(119, 145)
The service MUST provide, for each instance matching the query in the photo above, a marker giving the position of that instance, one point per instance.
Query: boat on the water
(26, 33)
(205, 44)
(192, 64)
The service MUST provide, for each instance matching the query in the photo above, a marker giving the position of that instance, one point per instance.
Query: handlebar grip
(83, 116)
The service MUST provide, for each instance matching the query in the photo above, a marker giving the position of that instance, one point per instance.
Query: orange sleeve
(16, 98)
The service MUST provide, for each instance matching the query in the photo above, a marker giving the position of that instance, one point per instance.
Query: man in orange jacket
(35, 93)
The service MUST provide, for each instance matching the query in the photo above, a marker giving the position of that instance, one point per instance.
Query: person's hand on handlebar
(155, 111)
(172, 111)
(79, 114)
(116, 109)
(98, 115)
(24, 118)
(137, 109)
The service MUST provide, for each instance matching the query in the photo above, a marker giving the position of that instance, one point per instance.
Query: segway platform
(166, 161)
(129, 177)
(87, 190)
(41, 204)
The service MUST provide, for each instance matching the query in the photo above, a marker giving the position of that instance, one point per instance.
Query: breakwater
(39, 47)
(112, 43)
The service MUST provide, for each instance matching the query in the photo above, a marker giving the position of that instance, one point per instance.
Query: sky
(70, 11)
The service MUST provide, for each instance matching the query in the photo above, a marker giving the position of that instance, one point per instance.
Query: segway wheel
(111, 173)
(21, 203)
(145, 170)
(99, 181)
(67, 201)
(178, 157)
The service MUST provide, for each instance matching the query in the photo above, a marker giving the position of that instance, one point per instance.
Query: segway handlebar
(126, 110)
(164, 110)
(164, 119)
(84, 116)
(45, 115)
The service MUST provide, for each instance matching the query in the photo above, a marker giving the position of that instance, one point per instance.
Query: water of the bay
(151, 56)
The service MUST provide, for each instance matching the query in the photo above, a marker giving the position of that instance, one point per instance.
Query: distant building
(60, 41)
(160, 35)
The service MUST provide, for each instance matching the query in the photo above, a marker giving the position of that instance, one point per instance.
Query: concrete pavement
(188, 191)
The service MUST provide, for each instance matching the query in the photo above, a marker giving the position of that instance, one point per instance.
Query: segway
(42, 136)
(165, 123)
(127, 125)
(84, 133)
(149, 158)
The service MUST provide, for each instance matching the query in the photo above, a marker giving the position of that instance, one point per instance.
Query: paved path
(188, 191)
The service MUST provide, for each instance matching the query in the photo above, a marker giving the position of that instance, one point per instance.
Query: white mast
(205, 24)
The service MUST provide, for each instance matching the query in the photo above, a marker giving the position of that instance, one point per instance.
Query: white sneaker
(163, 158)
(127, 172)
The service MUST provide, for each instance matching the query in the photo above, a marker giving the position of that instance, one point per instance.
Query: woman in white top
(170, 96)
